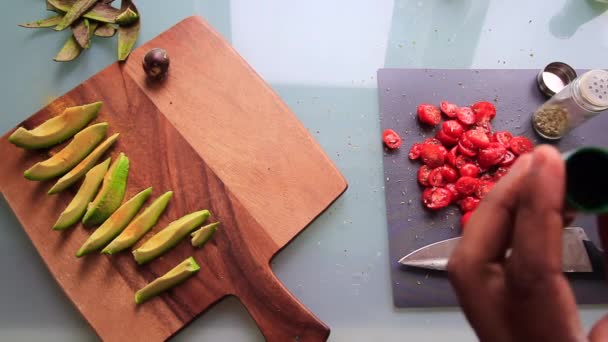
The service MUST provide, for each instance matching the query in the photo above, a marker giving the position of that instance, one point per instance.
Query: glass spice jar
(579, 101)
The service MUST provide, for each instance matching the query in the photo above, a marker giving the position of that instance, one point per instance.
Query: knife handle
(596, 257)
(279, 315)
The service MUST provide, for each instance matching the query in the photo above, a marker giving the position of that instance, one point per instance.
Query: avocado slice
(56, 130)
(169, 236)
(175, 276)
(83, 167)
(201, 236)
(111, 194)
(75, 210)
(83, 143)
(114, 224)
(139, 226)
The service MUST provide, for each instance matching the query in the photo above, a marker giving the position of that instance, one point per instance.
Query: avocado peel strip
(44, 23)
(128, 34)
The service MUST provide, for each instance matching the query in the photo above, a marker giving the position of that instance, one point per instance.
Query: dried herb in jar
(551, 121)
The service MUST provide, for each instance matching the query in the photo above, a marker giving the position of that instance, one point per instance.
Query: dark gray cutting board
(516, 96)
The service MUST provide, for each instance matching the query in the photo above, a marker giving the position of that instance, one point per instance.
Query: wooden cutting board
(219, 137)
(516, 96)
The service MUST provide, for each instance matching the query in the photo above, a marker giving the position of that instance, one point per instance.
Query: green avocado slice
(169, 236)
(175, 276)
(75, 210)
(139, 226)
(83, 143)
(201, 236)
(83, 167)
(56, 130)
(114, 224)
(111, 194)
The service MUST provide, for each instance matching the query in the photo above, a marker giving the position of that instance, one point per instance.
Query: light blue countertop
(321, 57)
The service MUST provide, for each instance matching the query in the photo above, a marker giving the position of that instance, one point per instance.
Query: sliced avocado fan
(170, 236)
(63, 161)
(83, 167)
(77, 207)
(202, 235)
(175, 276)
(139, 226)
(114, 224)
(111, 194)
(58, 129)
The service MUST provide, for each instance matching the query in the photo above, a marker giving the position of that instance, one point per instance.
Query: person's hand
(525, 296)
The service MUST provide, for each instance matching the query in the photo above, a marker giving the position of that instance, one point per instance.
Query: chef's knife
(578, 253)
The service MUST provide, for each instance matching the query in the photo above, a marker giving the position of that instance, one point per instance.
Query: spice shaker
(579, 101)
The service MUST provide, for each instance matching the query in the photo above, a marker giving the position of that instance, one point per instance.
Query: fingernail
(538, 159)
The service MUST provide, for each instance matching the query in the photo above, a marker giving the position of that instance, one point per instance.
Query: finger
(537, 239)
(472, 269)
(599, 332)
(534, 278)
(488, 232)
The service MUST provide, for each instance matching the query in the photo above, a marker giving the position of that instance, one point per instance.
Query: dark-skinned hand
(525, 296)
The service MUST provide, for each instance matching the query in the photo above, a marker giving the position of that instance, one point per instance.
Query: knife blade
(576, 250)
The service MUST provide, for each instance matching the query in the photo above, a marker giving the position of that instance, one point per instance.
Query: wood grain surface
(217, 135)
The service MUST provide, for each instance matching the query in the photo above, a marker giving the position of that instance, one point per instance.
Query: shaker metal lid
(554, 77)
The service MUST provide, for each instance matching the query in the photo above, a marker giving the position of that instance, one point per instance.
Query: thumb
(599, 332)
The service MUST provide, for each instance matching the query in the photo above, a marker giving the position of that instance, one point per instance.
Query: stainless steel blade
(435, 256)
